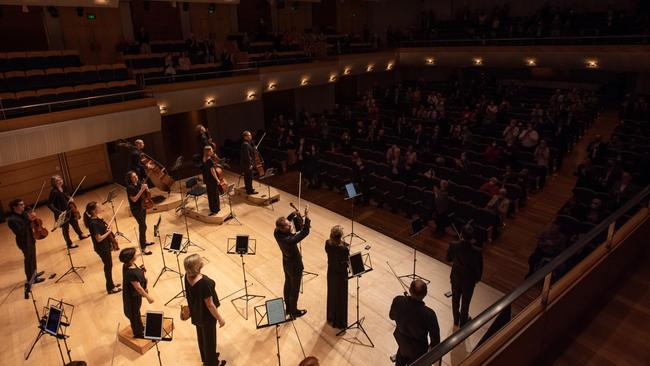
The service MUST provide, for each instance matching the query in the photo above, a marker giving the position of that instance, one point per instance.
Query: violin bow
(76, 189)
(398, 279)
(116, 211)
(38, 198)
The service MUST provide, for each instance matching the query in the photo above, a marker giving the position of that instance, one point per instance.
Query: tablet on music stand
(53, 320)
(356, 264)
(177, 240)
(275, 311)
(153, 328)
(351, 190)
(241, 244)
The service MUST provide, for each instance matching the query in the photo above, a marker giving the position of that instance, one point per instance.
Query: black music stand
(359, 264)
(55, 320)
(229, 192)
(73, 269)
(181, 208)
(109, 199)
(243, 245)
(156, 234)
(417, 226)
(175, 247)
(154, 329)
(272, 314)
(352, 193)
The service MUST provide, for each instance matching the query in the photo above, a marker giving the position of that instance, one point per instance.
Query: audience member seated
(500, 204)
(550, 244)
(529, 137)
(493, 154)
(184, 62)
(491, 187)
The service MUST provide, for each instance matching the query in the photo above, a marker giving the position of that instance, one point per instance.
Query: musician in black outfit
(247, 160)
(19, 222)
(203, 139)
(134, 189)
(135, 288)
(466, 271)
(417, 328)
(99, 233)
(291, 260)
(135, 163)
(338, 253)
(58, 203)
(211, 180)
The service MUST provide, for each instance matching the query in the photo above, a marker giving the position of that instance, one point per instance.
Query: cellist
(100, 232)
(211, 180)
(59, 204)
(19, 222)
(135, 189)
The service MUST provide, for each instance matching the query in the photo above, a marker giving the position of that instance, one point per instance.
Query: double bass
(155, 171)
(259, 162)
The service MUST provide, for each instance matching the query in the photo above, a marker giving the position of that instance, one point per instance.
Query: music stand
(229, 192)
(55, 320)
(109, 199)
(272, 314)
(359, 264)
(73, 268)
(243, 245)
(417, 226)
(175, 247)
(154, 329)
(188, 243)
(156, 234)
(352, 193)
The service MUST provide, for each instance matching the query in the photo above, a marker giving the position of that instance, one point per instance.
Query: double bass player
(247, 161)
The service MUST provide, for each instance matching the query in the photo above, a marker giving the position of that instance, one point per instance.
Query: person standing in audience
(417, 328)
(613, 174)
(135, 288)
(143, 40)
(203, 302)
(20, 223)
(542, 156)
(597, 150)
(441, 199)
(135, 189)
(466, 272)
(59, 204)
(338, 253)
(100, 233)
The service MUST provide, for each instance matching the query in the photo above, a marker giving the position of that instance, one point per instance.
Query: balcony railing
(531, 41)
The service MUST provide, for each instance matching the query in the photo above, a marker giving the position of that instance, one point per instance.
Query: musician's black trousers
(105, 255)
(65, 229)
(29, 251)
(292, 277)
(141, 217)
(213, 197)
(248, 180)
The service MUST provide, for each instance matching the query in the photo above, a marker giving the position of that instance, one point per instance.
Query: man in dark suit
(416, 324)
(135, 163)
(466, 271)
(291, 260)
(19, 222)
(247, 160)
(442, 207)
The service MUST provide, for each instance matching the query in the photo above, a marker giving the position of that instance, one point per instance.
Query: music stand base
(414, 277)
(353, 235)
(72, 270)
(162, 271)
(357, 325)
(247, 298)
(178, 296)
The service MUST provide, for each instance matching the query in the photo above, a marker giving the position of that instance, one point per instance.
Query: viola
(298, 221)
(147, 201)
(111, 238)
(74, 211)
(40, 232)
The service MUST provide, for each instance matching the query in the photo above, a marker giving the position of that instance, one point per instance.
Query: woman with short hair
(135, 288)
(338, 253)
(203, 303)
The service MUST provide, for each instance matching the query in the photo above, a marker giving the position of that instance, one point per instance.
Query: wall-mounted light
(272, 85)
(531, 62)
(347, 71)
(370, 67)
(251, 95)
(163, 109)
(389, 66)
(430, 61)
(304, 81)
(209, 101)
(592, 63)
(477, 61)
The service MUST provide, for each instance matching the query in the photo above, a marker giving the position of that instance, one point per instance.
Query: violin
(74, 211)
(38, 230)
(147, 201)
(298, 221)
(111, 239)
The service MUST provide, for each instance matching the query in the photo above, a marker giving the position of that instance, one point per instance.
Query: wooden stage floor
(96, 317)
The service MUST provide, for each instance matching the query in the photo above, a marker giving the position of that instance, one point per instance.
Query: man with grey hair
(291, 260)
(135, 163)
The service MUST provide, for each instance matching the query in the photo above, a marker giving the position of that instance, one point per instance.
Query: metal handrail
(75, 100)
(426, 42)
(446, 346)
(194, 75)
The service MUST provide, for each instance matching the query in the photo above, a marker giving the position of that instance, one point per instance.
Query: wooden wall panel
(205, 25)
(161, 20)
(179, 134)
(351, 16)
(97, 39)
(296, 17)
(91, 162)
(22, 31)
(323, 14)
(250, 11)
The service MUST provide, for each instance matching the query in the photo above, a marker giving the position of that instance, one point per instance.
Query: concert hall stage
(93, 332)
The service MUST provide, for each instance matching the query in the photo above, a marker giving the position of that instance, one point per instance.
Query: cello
(154, 170)
(259, 162)
(38, 230)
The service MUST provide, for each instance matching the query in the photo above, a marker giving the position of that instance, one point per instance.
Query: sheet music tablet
(53, 320)
(356, 264)
(153, 328)
(176, 242)
(351, 190)
(275, 311)
(241, 244)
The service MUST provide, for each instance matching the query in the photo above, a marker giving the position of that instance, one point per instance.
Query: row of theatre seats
(156, 75)
(22, 61)
(15, 81)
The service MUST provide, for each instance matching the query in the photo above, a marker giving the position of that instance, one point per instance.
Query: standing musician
(291, 260)
(211, 179)
(203, 139)
(135, 189)
(466, 271)
(338, 253)
(135, 162)
(135, 288)
(59, 204)
(19, 222)
(247, 160)
(100, 233)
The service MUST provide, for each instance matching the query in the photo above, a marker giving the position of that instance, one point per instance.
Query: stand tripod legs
(358, 324)
(165, 268)
(181, 294)
(246, 297)
(413, 276)
(72, 269)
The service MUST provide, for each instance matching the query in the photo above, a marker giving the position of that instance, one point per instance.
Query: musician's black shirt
(97, 226)
(21, 227)
(132, 191)
(57, 202)
(417, 326)
(289, 242)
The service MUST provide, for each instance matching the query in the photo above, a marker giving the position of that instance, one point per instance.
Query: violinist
(100, 233)
(135, 189)
(59, 204)
(247, 160)
(211, 180)
(135, 161)
(19, 222)
(135, 288)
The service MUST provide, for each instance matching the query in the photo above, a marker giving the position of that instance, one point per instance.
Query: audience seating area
(41, 82)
